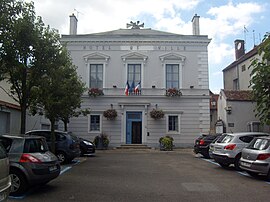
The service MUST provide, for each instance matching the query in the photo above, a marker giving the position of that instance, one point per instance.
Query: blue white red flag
(127, 88)
(131, 89)
(138, 87)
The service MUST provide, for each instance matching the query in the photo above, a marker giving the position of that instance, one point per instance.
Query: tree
(59, 92)
(19, 34)
(260, 81)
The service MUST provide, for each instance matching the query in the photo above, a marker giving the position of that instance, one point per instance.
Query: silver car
(256, 157)
(31, 162)
(228, 150)
(5, 182)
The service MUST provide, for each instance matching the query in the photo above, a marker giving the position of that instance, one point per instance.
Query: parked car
(5, 180)
(255, 158)
(202, 143)
(228, 150)
(67, 145)
(87, 147)
(31, 162)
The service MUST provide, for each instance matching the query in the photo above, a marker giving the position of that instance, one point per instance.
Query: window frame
(96, 75)
(170, 132)
(133, 65)
(89, 123)
(171, 65)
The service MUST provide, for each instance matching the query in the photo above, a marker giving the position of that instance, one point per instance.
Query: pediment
(134, 56)
(172, 56)
(96, 56)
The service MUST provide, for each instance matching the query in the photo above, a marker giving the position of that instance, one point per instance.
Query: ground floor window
(95, 123)
(173, 124)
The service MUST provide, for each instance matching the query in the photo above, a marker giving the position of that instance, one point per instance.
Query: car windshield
(226, 139)
(35, 146)
(259, 144)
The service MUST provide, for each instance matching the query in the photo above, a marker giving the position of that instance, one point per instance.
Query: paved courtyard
(149, 175)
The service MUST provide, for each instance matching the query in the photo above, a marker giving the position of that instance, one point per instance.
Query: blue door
(134, 128)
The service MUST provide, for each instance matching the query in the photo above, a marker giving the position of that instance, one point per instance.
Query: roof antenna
(77, 15)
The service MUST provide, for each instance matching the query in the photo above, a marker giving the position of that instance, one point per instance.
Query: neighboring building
(235, 104)
(236, 76)
(10, 113)
(154, 61)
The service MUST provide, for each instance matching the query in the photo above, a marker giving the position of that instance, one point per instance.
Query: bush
(166, 143)
(101, 141)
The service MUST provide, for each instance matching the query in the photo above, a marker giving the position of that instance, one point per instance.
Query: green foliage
(166, 143)
(260, 81)
(101, 141)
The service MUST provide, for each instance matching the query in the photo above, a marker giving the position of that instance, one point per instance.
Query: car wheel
(206, 154)
(237, 163)
(61, 157)
(19, 184)
(224, 165)
(268, 176)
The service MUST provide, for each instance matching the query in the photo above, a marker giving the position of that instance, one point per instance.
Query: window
(172, 76)
(95, 123)
(134, 74)
(243, 68)
(96, 76)
(35, 146)
(173, 123)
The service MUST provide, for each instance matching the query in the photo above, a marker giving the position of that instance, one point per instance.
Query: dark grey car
(31, 162)
(5, 182)
(67, 145)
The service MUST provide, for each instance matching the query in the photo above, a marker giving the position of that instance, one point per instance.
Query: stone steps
(133, 146)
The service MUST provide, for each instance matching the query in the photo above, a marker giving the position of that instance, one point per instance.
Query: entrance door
(134, 128)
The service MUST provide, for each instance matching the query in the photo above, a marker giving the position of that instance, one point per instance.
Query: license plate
(52, 168)
(245, 164)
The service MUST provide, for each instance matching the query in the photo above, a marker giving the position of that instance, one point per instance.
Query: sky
(222, 20)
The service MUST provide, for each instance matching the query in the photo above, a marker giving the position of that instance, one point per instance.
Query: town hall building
(157, 83)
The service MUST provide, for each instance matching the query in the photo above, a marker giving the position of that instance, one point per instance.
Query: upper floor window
(172, 76)
(134, 74)
(96, 76)
(243, 68)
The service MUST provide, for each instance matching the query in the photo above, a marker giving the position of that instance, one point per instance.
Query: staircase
(133, 146)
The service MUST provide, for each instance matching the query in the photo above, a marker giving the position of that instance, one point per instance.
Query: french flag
(137, 88)
(127, 88)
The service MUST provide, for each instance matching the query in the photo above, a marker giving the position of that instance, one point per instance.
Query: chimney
(73, 24)
(195, 25)
(239, 46)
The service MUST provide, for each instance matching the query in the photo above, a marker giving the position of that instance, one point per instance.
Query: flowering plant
(94, 92)
(157, 114)
(110, 114)
(172, 92)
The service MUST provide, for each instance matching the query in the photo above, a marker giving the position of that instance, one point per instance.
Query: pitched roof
(238, 95)
(245, 57)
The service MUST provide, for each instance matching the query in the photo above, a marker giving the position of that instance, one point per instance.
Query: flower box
(94, 92)
(173, 92)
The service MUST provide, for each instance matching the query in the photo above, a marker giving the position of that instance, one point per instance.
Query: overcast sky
(222, 20)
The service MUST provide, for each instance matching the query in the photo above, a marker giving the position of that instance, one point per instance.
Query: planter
(101, 141)
(94, 92)
(110, 114)
(157, 114)
(173, 92)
